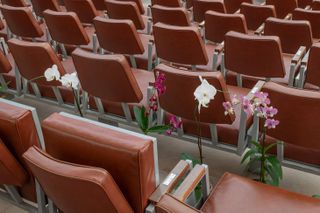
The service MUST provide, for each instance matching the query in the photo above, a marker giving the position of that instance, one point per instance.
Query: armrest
(219, 49)
(305, 59)
(201, 25)
(288, 17)
(255, 89)
(299, 55)
(237, 12)
(260, 30)
(308, 7)
(190, 182)
(169, 203)
(171, 180)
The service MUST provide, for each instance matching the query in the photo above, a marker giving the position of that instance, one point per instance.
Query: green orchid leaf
(137, 115)
(316, 196)
(275, 164)
(141, 118)
(144, 118)
(256, 145)
(159, 129)
(248, 154)
(185, 156)
(269, 147)
(275, 179)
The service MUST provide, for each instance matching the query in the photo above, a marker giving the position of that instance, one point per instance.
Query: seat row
(78, 165)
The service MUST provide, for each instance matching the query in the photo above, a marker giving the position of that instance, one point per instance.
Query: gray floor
(219, 162)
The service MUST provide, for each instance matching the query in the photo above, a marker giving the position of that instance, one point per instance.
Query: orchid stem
(77, 101)
(199, 133)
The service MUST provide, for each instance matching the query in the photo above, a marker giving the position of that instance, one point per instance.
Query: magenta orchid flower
(271, 123)
(159, 83)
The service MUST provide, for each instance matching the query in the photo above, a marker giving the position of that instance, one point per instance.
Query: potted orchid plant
(68, 81)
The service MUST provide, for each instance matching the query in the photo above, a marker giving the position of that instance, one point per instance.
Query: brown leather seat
(315, 5)
(233, 5)
(139, 3)
(312, 16)
(166, 3)
(128, 157)
(15, 3)
(170, 15)
(31, 69)
(262, 58)
(283, 7)
(183, 46)
(125, 85)
(66, 28)
(180, 85)
(85, 10)
(226, 197)
(6, 70)
(292, 33)
(22, 23)
(99, 4)
(81, 189)
(41, 5)
(200, 7)
(304, 3)
(312, 76)
(3, 29)
(256, 14)
(127, 10)
(121, 37)
(18, 133)
(299, 145)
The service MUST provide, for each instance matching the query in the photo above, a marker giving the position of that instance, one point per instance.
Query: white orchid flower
(52, 73)
(70, 80)
(204, 93)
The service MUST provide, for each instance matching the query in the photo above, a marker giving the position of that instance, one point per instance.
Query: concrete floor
(170, 150)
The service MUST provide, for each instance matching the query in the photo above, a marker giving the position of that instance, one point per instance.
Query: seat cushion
(143, 78)
(237, 194)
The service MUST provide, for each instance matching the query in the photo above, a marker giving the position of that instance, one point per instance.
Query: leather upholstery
(233, 5)
(12, 173)
(313, 74)
(128, 158)
(21, 21)
(312, 16)
(283, 7)
(170, 15)
(218, 24)
(256, 14)
(258, 56)
(293, 34)
(138, 3)
(18, 133)
(76, 183)
(125, 10)
(315, 5)
(31, 69)
(166, 3)
(15, 3)
(294, 119)
(65, 27)
(226, 197)
(110, 71)
(304, 3)
(179, 44)
(5, 65)
(41, 5)
(169, 203)
(84, 9)
(99, 4)
(200, 7)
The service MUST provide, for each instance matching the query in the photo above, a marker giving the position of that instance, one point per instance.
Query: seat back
(138, 3)
(258, 56)
(99, 4)
(304, 3)
(19, 130)
(170, 15)
(200, 7)
(295, 118)
(5, 65)
(111, 73)
(256, 14)
(315, 5)
(41, 5)
(313, 74)
(65, 27)
(118, 36)
(12, 172)
(76, 182)
(312, 16)
(125, 10)
(84, 9)
(15, 3)
(293, 34)
(179, 44)
(233, 5)
(21, 21)
(218, 24)
(31, 69)
(129, 157)
(181, 85)
(283, 7)
(166, 3)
